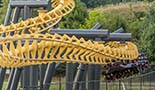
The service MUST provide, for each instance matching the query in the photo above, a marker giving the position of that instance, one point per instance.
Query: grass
(109, 85)
(137, 6)
(127, 10)
(4, 86)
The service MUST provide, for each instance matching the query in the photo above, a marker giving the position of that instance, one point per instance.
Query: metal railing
(138, 82)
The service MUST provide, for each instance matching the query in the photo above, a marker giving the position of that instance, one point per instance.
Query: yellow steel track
(35, 48)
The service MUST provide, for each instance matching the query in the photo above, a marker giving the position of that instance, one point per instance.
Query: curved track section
(31, 49)
(43, 22)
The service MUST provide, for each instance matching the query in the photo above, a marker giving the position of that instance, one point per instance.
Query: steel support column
(2, 76)
(79, 76)
(26, 71)
(83, 84)
(6, 22)
(70, 69)
(91, 77)
(34, 76)
(42, 75)
(48, 76)
(12, 74)
(16, 78)
(10, 79)
(97, 77)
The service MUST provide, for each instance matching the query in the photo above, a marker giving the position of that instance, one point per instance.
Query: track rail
(35, 48)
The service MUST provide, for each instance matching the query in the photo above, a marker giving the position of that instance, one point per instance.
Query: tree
(76, 17)
(147, 43)
(0, 3)
(94, 3)
(3, 10)
(109, 21)
(94, 17)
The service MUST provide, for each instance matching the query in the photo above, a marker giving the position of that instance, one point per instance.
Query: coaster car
(125, 69)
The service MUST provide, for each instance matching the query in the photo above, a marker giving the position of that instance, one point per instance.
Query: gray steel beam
(15, 80)
(16, 15)
(80, 76)
(92, 34)
(32, 3)
(83, 84)
(120, 37)
(26, 71)
(6, 22)
(87, 33)
(91, 77)
(70, 69)
(10, 79)
(30, 74)
(120, 30)
(97, 77)
(97, 70)
(97, 26)
(94, 70)
(48, 76)
(14, 20)
(42, 75)
(34, 76)
(8, 15)
(2, 76)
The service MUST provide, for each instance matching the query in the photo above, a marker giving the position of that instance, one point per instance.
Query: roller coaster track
(34, 48)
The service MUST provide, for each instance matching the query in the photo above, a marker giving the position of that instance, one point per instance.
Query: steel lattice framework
(23, 49)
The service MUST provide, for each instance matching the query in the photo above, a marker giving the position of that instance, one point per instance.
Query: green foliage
(61, 69)
(3, 10)
(96, 3)
(112, 18)
(147, 43)
(114, 21)
(94, 17)
(109, 21)
(1, 3)
(76, 17)
(93, 3)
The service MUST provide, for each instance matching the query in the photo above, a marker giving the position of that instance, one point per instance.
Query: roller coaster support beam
(15, 79)
(70, 70)
(120, 30)
(92, 34)
(85, 33)
(2, 76)
(32, 3)
(3, 70)
(120, 37)
(97, 68)
(81, 76)
(26, 70)
(48, 76)
(94, 70)
(97, 26)
(15, 73)
(43, 70)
